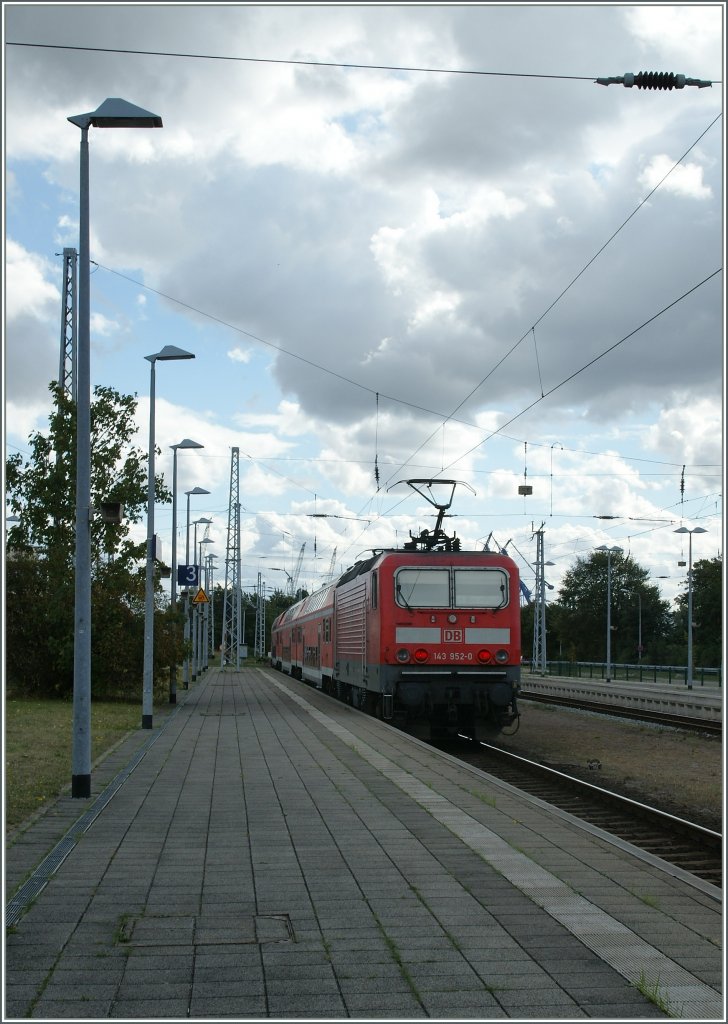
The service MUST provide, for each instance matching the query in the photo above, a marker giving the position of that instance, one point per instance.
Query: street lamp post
(211, 594)
(186, 666)
(186, 443)
(113, 113)
(610, 552)
(168, 353)
(195, 616)
(684, 529)
(201, 613)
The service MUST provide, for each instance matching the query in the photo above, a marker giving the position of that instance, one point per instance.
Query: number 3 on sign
(187, 576)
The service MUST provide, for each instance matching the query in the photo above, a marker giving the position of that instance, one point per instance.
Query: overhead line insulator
(654, 80)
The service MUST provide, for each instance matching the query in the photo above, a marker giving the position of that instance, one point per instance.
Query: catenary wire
(591, 362)
(303, 63)
(560, 295)
(412, 69)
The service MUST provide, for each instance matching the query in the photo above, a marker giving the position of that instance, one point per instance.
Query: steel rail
(692, 849)
(619, 711)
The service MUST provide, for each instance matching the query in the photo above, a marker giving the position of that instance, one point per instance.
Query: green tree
(707, 614)
(41, 491)
(580, 613)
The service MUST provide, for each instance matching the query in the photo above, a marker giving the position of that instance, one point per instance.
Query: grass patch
(653, 992)
(38, 746)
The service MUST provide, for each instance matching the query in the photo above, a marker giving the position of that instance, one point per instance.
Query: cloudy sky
(402, 242)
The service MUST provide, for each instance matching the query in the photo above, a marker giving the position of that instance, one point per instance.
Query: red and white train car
(413, 635)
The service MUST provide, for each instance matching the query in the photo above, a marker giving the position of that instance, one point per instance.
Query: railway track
(686, 846)
(637, 714)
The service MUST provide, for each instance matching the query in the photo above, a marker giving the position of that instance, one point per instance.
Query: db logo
(452, 636)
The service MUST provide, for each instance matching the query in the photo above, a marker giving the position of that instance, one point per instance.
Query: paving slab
(268, 852)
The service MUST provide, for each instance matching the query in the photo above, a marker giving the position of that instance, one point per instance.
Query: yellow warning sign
(200, 597)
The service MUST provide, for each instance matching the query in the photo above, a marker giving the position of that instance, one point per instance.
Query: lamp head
(186, 443)
(170, 352)
(117, 113)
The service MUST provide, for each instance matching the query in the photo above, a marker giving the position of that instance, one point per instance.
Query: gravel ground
(673, 769)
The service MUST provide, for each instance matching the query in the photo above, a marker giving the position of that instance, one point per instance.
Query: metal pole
(173, 596)
(206, 617)
(198, 615)
(543, 616)
(81, 754)
(186, 666)
(211, 595)
(237, 597)
(148, 691)
(689, 679)
(194, 623)
(609, 615)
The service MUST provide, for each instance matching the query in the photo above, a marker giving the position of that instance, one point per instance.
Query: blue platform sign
(188, 575)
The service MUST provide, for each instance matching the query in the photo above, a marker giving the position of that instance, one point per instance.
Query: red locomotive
(426, 632)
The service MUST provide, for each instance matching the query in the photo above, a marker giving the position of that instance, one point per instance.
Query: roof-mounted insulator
(654, 80)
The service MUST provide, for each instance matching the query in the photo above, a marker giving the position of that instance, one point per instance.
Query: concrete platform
(274, 854)
(702, 703)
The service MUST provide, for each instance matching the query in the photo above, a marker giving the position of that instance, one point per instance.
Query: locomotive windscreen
(480, 588)
(452, 588)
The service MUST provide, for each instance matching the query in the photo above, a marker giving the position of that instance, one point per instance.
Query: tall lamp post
(186, 666)
(610, 552)
(195, 616)
(113, 113)
(203, 611)
(684, 529)
(211, 559)
(186, 443)
(168, 353)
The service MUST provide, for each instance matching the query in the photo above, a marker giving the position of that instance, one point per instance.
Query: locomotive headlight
(484, 656)
(421, 655)
(452, 618)
(402, 654)
(501, 656)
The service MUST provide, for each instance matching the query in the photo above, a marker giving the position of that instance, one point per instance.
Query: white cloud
(28, 290)
(402, 230)
(685, 179)
(102, 325)
(239, 355)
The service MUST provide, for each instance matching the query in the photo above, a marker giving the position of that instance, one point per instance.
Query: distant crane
(526, 593)
(293, 580)
(329, 577)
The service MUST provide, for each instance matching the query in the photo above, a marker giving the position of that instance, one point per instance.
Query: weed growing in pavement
(122, 934)
(397, 957)
(484, 797)
(652, 992)
(648, 899)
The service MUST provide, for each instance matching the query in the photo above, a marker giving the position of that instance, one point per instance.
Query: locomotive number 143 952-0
(452, 656)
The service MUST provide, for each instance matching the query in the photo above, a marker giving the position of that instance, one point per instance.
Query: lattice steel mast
(260, 619)
(69, 325)
(539, 609)
(231, 620)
